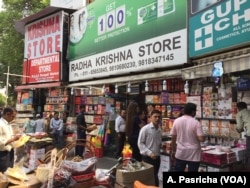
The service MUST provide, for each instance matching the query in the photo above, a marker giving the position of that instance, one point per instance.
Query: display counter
(214, 161)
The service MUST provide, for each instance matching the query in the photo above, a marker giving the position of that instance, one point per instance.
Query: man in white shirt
(149, 142)
(6, 139)
(120, 125)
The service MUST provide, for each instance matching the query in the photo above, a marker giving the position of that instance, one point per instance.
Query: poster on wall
(217, 25)
(116, 37)
(42, 49)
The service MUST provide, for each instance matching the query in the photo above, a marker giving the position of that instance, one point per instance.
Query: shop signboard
(218, 25)
(73, 4)
(115, 37)
(42, 49)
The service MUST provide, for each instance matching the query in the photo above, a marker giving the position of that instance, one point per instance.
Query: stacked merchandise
(63, 169)
(71, 129)
(214, 157)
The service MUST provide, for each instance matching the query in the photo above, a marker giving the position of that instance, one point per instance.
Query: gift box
(214, 157)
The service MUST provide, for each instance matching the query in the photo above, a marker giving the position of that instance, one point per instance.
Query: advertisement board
(43, 47)
(73, 4)
(116, 37)
(216, 25)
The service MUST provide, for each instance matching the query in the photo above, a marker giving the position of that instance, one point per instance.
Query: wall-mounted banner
(117, 36)
(216, 25)
(43, 45)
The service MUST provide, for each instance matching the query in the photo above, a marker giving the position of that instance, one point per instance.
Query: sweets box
(214, 157)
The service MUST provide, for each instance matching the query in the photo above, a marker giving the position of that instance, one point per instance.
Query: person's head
(38, 116)
(8, 114)
(123, 113)
(241, 106)
(155, 117)
(56, 115)
(190, 109)
(133, 108)
(142, 114)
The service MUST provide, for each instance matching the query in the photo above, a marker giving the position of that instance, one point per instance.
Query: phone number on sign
(158, 59)
(122, 66)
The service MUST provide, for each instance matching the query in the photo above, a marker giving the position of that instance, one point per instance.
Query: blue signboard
(217, 25)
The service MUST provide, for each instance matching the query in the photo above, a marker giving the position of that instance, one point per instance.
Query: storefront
(45, 67)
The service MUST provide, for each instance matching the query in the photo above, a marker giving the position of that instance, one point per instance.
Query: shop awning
(130, 78)
(234, 61)
(41, 85)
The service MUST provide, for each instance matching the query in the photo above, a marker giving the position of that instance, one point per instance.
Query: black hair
(7, 110)
(189, 108)
(241, 105)
(155, 112)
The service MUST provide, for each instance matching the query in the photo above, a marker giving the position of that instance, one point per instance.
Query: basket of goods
(16, 175)
(76, 174)
(42, 172)
(68, 150)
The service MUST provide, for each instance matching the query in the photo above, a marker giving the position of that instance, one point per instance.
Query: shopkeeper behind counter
(6, 138)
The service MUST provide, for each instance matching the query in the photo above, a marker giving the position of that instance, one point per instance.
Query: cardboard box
(128, 178)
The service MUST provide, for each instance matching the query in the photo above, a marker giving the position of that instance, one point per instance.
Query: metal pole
(7, 85)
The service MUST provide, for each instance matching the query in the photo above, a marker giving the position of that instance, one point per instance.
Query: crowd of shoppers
(140, 128)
